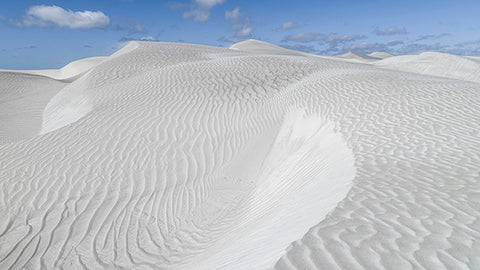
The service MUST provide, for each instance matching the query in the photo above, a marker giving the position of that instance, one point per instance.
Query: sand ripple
(176, 156)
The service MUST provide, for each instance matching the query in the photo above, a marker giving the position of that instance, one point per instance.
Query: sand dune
(257, 46)
(68, 73)
(381, 55)
(180, 156)
(24, 95)
(436, 64)
(358, 56)
(23, 98)
(429, 63)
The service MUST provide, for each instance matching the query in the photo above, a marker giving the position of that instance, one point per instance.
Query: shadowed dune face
(176, 156)
(23, 98)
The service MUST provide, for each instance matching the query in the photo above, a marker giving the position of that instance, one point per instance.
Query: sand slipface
(179, 156)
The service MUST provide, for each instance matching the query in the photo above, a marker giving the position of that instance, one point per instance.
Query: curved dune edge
(23, 99)
(25, 95)
(307, 171)
(66, 107)
(75, 100)
(68, 73)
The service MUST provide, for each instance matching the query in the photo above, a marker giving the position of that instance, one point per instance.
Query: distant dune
(68, 73)
(429, 63)
(353, 55)
(181, 156)
(436, 64)
(381, 55)
(257, 46)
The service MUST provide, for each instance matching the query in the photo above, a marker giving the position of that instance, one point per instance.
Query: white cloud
(432, 37)
(233, 15)
(209, 3)
(244, 31)
(305, 37)
(197, 15)
(145, 38)
(198, 11)
(315, 36)
(390, 31)
(333, 37)
(138, 28)
(300, 47)
(289, 25)
(47, 16)
(131, 26)
(366, 47)
(148, 38)
(241, 24)
(468, 43)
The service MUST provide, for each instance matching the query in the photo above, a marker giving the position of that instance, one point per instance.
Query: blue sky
(50, 34)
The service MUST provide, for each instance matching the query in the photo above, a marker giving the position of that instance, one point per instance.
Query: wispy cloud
(471, 47)
(395, 43)
(430, 36)
(198, 11)
(131, 26)
(300, 47)
(289, 25)
(145, 38)
(54, 16)
(468, 43)
(366, 47)
(315, 36)
(390, 31)
(398, 48)
(305, 37)
(240, 23)
(416, 48)
(27, 47)
(328, 43)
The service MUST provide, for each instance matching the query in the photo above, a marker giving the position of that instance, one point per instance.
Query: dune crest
(68, 73)
(358, 56)
(257, 46)
(381, 55)
(436, 64)
(445, 65)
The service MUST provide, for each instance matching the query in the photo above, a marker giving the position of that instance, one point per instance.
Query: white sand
(436, 64)
(68, 73)
(381, 55)
(358, 57)
(261, 47)
(179, 156)
(23, 98)
(465, 68)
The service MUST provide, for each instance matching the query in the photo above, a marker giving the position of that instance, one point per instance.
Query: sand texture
(180, 156)
(466, 68)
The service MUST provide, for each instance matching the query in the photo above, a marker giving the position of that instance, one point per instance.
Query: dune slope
(23, 98)
(436, 64)
(179, 156)
(68, 73)
(381, 55)
(358, 57)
